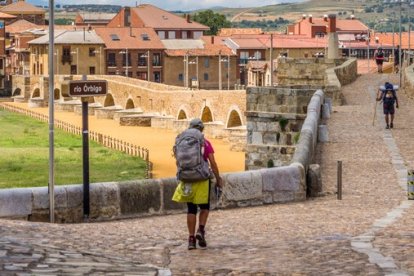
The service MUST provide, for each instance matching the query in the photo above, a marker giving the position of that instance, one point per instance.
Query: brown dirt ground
(158, 141)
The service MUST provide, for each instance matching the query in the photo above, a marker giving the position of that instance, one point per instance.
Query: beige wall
(174, 66)
(39, 59)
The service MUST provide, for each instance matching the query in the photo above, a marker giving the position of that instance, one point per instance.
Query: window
(180, 77)
(73, 70)
(157, 76)
(1, 64)
(244, 57)
(111, 59)
(92, 70)
(184, 35)
(91, 52)
(142, 75)
(206, 76)
(171, 35)
(207, 62)
(156, 59)
(197, 35)
(257, 55)
(142, 59)
(161, 34)
(114, 37)
(126, 59)
(66, 55)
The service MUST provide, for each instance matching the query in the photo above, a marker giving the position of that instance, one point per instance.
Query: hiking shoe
(391, 125)
(387, 127)
(200, 236)
(191, 243)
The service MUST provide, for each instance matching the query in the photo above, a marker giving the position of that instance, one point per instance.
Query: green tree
(213, 20)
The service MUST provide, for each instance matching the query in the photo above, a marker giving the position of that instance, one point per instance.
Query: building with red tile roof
(194, 63)
(389, 39)
(133, 52)
(314, 27)
(93, 18)
(23, 10)
(165, 24)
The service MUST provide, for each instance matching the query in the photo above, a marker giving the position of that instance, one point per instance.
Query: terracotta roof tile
(157, 18)
(387, 38)
(20, 26)
(233, 31)
(6, 15)
(208, 50)
(279, 41)
(126, 41)
(20, 7)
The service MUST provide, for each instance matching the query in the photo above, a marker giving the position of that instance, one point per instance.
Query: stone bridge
(136, 102)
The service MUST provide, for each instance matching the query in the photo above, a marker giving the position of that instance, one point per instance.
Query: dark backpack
(389, 100)
(188, 152)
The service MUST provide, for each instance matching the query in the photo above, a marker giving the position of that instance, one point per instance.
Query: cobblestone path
(366, 233)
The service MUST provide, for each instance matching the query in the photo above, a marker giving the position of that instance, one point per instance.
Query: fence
(104, 140)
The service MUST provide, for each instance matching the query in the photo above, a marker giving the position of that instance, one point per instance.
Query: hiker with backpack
(195, 161)
(379, 59)
(388, 95)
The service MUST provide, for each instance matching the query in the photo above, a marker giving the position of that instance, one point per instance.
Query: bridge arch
(129, 104)
(206, 115)
(17, 92)
(36, 93)
(234, 119)
(57, 94)
(109, 100)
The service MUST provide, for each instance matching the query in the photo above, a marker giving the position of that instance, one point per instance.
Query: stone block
(139, 197)
(281, 179)
(283, 196)
(243, 186)
(168, 186)
(257, 138)
(15, 202)
(323, 135)
(75, 195)
(104, 200)
(313, 180)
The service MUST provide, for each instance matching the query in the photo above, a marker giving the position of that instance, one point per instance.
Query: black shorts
(389, 109)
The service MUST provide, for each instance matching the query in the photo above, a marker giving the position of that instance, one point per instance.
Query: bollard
(410, 184)
(339, 181)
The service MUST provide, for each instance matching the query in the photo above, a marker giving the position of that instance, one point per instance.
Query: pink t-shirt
(208, 148)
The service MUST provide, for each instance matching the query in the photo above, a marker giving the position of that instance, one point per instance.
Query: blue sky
(173, 4)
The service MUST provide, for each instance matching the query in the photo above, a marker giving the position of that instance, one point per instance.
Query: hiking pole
(375, 113)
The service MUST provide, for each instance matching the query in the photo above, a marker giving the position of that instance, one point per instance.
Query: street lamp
(125, 52)
(195, 61)
(99, 59)
(77, 59)
(227, 61)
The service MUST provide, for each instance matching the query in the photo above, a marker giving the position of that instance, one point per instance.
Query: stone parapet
(409, 81)
(115, 200)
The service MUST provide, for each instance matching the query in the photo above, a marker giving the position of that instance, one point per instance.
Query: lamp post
(125, 52)
(227, 61)
(77, 60)
(99, 59)
(195, 61)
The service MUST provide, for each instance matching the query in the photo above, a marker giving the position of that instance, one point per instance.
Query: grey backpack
(188, 152)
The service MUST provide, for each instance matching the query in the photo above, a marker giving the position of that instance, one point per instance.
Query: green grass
(24, 156)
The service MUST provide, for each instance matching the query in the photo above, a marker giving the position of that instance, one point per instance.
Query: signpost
(85, 89)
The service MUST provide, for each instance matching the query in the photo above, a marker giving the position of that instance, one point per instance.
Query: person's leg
(191, 224)
(392, 120)
(387, 120)
(202, 221)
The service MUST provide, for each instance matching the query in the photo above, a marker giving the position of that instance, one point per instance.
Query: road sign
(88, 88)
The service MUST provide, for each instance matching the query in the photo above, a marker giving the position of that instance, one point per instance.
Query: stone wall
(274, 120)
(409, 81)
(151, 197)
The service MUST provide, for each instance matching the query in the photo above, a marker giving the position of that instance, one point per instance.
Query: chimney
(325, 17)
(212, 39)
(84, 34)
(89, 27)
(303, 16)
(352, 17)
(332, 23)
(310, 18)
(127, 16)
(187, 18)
